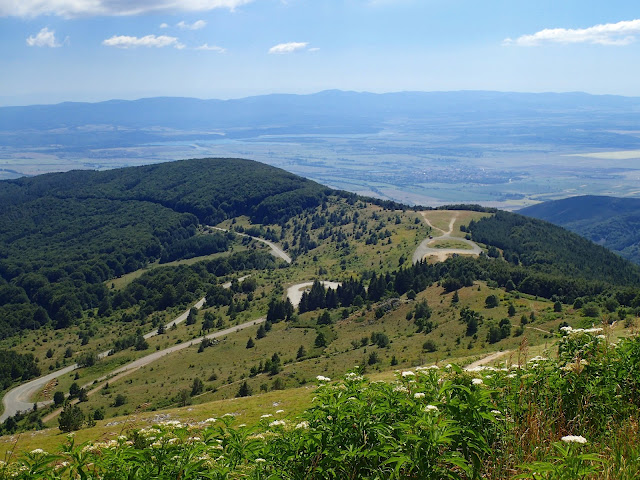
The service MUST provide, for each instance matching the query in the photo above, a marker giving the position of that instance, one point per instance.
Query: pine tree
(71, 418)
(245, 390)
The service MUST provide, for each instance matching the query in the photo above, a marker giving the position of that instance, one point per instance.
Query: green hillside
(609, 221)
(62, 235)
(546, 248)
(526, 282)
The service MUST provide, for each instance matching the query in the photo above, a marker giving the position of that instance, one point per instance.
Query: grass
(523, 421)
(224, 366)
(450, 244)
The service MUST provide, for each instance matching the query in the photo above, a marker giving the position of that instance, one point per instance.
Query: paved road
(275, 249)
(18, 399)
(424, 250)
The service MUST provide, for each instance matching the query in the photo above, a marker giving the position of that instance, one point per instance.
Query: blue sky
(92, 50)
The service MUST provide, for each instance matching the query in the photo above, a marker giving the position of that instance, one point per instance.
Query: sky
(94, 50)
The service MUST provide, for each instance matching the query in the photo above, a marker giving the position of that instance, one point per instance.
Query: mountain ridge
(613, 222)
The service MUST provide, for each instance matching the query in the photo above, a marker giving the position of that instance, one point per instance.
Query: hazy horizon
(133, 99)
(79, 50)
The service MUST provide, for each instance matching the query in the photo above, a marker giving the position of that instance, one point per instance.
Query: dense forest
(548, 249)
(63, 235)
(609, 221)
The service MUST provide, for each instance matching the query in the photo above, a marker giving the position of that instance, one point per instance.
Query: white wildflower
(322, 378)
(408, 373)
(538, 358)
(418, 395)
(477, 381)
(260, 460)
(277, 423)
(574, 439)
(303, 424)
(401, 388)
(430, 408)
(210, 420)
(279, 411)
(593, 330)
(38, 451)
(266, 415)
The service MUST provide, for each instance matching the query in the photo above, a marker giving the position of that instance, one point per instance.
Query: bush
(429, 346)
(491, 301)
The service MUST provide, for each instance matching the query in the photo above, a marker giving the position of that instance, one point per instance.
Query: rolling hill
(214, 324)
(608, 221)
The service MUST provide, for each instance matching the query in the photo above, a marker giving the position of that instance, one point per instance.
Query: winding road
(275, 249)
(424, 250)
(18, 399)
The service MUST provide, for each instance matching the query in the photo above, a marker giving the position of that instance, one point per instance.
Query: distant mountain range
(609, 221)
(331, 111)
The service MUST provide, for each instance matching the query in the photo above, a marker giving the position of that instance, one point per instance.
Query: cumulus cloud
(164, 25)
(290, 47)
(44, 38)
(79, 8)
(197, 25)
(211, 48)
(621, 33)
(149, 41)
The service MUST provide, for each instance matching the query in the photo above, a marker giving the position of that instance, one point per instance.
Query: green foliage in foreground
(543, 419)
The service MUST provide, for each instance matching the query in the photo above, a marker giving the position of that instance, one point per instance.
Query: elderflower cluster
(574, 331)
(574, 439)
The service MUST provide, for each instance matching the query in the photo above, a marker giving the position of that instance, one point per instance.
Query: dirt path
(488, 359)
(441, 254)
(131, 367)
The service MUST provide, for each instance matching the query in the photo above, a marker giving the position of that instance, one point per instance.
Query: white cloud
(290, 47)
(164, 25)
(211, 48)
(621, 33)
(125, 41)
(78, 8)
(44, 38)
(197, 25)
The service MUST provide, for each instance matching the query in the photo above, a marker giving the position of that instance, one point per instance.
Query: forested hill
(546, 248)
(609, 221)
(63, 234)
(210, 189)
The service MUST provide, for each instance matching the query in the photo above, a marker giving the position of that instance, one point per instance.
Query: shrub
(429, 346)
